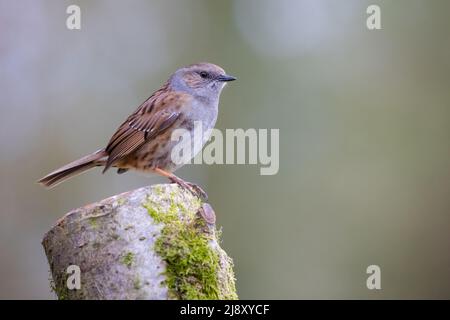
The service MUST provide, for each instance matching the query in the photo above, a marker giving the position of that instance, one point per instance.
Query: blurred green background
(364, 119)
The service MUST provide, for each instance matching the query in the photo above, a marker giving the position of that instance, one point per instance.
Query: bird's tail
(98, 158)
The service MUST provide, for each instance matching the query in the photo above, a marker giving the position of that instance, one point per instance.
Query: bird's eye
(203, 74)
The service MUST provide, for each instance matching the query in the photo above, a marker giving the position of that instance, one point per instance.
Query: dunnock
(143, 142)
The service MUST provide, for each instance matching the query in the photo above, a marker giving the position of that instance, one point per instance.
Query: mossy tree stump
(150, 243)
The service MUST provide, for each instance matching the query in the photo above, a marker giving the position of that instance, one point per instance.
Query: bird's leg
(192, 187)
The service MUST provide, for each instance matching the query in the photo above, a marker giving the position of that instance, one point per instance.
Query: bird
(143, 141)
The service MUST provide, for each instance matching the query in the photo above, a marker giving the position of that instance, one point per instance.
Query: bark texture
(155, 242)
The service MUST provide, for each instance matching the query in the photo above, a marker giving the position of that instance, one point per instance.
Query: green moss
(128, 259)
(137, 283)
(93, 222)
(121, 201)
(158, 190)
(191, 264)
(60, 289)
(229, 284)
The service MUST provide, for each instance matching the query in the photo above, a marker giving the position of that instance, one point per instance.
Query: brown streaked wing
(153, 117)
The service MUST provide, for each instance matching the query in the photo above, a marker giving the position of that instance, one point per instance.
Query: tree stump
(157, 242)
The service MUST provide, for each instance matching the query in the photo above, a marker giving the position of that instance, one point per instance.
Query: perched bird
(143, 142)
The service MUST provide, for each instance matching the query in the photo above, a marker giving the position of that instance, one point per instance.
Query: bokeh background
(364, 119)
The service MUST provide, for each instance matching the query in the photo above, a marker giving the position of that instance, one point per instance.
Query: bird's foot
(198, 191)
(192, 187)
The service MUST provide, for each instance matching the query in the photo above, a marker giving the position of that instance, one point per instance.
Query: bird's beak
(226, 78)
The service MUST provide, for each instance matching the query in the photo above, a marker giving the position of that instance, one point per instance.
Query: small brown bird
(143, 142)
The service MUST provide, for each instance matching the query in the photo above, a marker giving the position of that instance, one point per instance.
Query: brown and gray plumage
(143, 141)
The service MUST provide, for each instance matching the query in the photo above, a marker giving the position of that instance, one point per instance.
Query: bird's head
(204, 80)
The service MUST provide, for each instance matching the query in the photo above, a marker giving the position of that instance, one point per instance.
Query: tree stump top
(150, 243)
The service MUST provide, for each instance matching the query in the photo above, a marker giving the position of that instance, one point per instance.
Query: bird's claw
(192, 187)
(198, 191)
